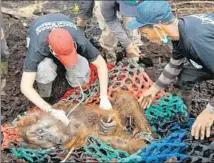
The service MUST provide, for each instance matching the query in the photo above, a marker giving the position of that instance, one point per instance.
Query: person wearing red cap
(53, 38)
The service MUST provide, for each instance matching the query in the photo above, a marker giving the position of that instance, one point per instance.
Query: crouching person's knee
(46, 74)
(79, 74)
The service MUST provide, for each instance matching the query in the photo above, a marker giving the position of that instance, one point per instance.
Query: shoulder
(77, 36)
(196, 26)
(48, 19)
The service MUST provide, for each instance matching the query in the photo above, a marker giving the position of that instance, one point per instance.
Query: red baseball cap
(61, 42)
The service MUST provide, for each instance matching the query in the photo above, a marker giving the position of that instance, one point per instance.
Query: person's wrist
(210, 109)
(48, 109)
(103, 97)
(155, 88)
(129, 46)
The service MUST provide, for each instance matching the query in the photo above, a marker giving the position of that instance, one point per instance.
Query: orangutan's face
(46, 133)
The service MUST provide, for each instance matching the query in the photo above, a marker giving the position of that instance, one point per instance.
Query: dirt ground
(15, 103)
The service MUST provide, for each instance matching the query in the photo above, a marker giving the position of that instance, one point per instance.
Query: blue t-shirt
(196, 41)
(39, 48)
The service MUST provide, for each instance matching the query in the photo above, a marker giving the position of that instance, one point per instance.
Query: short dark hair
(149, 26)
(165, 23)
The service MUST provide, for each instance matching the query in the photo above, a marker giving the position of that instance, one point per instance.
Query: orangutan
(40, 129)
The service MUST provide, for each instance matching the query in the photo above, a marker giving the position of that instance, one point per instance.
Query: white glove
(60, 115)
(105, 103)
(133, 50)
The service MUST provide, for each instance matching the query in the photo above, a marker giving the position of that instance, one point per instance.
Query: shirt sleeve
(88, 51)
(210, 106)
(109, 12)
(86, 9)
(32, 60)
(172, 69)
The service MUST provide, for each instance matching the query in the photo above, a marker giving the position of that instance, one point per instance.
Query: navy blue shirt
(38, 47)
(196, 41)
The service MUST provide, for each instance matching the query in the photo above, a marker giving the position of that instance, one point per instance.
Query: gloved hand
(107, 126)
(133, 51)
(59, 115)
(105, 103)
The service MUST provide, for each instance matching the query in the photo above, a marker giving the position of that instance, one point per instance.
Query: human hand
(148, 97)
(202, 124)
(60, 115)
(81, 22)
(105, 104)
(133, 51)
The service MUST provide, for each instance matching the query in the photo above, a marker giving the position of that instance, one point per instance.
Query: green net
(101, 151)
(167, 108)
(31, 155)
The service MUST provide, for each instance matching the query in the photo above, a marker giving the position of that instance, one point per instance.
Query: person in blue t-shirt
(192, 38)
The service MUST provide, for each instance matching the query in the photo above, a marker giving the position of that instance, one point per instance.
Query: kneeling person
(55, 36)
(193, 40)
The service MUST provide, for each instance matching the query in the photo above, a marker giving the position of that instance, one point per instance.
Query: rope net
(167, 116)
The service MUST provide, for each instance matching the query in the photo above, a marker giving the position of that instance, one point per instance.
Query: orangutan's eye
(40, 138)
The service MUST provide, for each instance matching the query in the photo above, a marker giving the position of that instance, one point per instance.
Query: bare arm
(102, 74)
(27, 89)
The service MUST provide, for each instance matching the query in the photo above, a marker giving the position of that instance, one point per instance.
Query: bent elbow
(24, 88)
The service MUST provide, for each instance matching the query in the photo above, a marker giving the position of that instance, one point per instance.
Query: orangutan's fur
(40, 129)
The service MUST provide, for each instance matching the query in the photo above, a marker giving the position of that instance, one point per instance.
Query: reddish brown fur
(84, 121)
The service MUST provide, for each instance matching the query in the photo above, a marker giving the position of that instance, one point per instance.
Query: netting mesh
(167, 108)
(167, 116)
(101, 151)
(31, 155)
(160, 151)
(126, 76)
(9, 134)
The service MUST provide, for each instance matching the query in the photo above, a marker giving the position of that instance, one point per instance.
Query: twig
(188, 9)
(72, 149)
(192, 2)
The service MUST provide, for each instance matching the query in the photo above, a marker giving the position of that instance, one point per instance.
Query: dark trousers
(189, 76)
